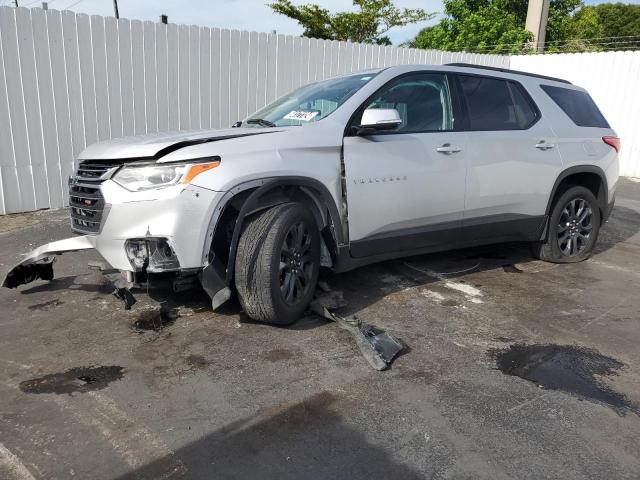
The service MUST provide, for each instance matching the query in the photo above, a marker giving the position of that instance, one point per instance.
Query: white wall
(69, 80)
(612, 79)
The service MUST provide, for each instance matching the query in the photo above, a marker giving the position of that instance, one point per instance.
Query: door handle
(448, 149)
(542, 145)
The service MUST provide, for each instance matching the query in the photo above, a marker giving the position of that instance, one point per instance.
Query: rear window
(496, 104)
(578, 105)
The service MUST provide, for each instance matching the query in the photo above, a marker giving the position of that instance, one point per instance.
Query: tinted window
(577, 105)
(495, 104)
(423, 101)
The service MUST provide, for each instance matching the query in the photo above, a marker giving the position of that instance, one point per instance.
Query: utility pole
(16, 3)
(115, 8)
(537, 16)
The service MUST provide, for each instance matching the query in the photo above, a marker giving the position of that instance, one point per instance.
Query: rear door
(513, 160)
(405, 188)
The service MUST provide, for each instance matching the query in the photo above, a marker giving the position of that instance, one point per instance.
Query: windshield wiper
(262, 122)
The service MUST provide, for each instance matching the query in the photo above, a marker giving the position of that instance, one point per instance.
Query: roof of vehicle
(478, 67)
(507, 70)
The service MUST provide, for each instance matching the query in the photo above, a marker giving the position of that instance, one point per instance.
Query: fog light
(137, 253)
(161, 256)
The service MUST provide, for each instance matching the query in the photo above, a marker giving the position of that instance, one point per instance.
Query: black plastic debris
(378, 347)
(23, 274)
(122, 291)
(124, 294)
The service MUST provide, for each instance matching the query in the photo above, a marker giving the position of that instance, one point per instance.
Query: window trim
(456, 106)
(523, 90)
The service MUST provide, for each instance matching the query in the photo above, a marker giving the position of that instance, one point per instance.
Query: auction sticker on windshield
(300, 115)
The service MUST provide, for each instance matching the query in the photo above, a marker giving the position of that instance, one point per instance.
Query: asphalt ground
(87, 392)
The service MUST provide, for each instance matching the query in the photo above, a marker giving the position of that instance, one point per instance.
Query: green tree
(487, 26)
(369, 24)
(609, 25)
(494, 26)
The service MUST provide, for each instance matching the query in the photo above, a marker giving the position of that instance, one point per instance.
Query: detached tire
(277, 263)
(573, 230)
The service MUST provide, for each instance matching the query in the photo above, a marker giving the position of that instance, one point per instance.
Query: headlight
(146, 177)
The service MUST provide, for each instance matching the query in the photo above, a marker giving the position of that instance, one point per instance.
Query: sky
(236, 14)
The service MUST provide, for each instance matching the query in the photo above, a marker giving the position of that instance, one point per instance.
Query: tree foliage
(369, 24)
(494, 26)
(487, 26)
(604, 22)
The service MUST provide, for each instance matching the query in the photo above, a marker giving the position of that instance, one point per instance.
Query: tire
(277, 263)
(573, 230)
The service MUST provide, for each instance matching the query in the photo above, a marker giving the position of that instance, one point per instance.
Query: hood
(159, 144)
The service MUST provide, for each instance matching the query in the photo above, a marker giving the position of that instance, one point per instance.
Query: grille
(86, 202)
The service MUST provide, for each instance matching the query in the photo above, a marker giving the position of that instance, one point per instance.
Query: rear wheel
(573, 230)
(277, 263)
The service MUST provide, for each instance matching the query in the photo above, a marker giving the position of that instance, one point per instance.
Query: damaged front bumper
(141, 234)
(38, 264)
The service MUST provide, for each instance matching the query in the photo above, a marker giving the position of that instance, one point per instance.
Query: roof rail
(506, 70)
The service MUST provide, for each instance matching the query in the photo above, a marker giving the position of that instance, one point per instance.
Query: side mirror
(378, 119)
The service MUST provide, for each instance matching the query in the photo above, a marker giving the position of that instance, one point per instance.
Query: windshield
(309, 103)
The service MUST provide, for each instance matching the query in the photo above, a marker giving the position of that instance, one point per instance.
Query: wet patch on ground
(575, 370)
(74, 380)
(197, 362)
(46, 305)
(154, 319)
(449, 303)
(279, 354)
(510, 268)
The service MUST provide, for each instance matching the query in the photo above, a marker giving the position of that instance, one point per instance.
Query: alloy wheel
(575, 227)
(296, 263)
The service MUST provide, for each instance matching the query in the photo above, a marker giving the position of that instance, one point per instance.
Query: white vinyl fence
(69, 80)
(612, 79)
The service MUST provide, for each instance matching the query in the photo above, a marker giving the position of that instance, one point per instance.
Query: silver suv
(353, 170)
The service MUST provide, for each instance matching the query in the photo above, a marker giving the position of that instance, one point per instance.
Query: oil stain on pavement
(567, 368)
(74, 380)
(154, 319)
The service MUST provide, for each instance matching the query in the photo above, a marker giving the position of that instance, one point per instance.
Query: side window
(422, 99)
(495, 104)
(526, 113)
(578, 105)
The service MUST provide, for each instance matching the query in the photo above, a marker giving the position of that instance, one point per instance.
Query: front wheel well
(254, 200)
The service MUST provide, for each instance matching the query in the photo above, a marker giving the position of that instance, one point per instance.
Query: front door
(405, 188)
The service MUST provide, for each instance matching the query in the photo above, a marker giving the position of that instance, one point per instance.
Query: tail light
(613, 141)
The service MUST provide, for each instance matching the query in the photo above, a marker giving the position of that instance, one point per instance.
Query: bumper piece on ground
(122, 287)
(212, 281)
(122, 291)
(23, 274)
(377, 347)
(39, 263)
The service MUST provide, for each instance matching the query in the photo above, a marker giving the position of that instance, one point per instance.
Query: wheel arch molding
(576, 171)
(248, 198)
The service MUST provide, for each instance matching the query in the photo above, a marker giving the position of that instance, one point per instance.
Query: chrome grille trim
(86, 203)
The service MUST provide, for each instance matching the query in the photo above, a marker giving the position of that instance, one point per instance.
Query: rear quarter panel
(578, 145)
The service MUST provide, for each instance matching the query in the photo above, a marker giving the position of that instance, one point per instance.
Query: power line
(560, 42)
(73, 5)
